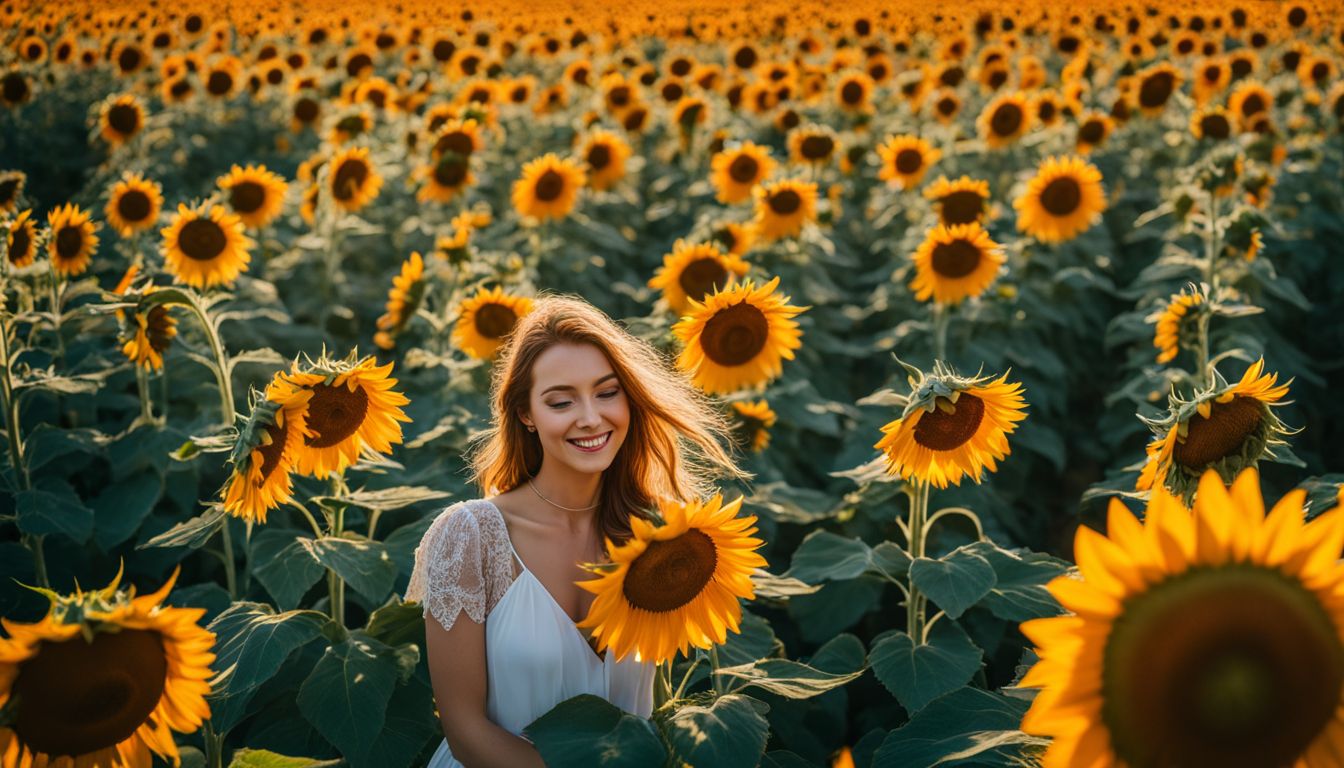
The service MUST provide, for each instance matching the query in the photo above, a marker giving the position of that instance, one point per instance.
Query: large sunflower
(21, 245)
(134, 204)
(1061, 201)
(1169, 323)
(955, 263)
(352, 180)
(256, 194)
(1004, 120)
(738, 337)
(1226, 427)
(72, 242)
(103, 679)
(548, 188)
(604, 154)
(752, 422)
(905, 160)
(784, 207)
(120, 118)
(1211, 638)
(205, 248)
(952, 427)
(408, 288)
(485, 321)
(353, 408)
(676, 585)
(694, 271)
(11, 186)
(963, 201)
(735, 171)
(264, 454)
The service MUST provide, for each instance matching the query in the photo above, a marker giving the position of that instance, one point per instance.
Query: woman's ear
(524, 417)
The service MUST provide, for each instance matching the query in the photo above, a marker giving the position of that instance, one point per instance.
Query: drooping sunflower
(738, 337)
(548, 187)
(675, 585)
(1004, 120)
(1204, 638)
(963, 201)
(352, 179)
(1156, 84)
(694, 271)
(955, 263)
(1170, 323)
(604, 154)
(485, 321)
(752, 423)
(11, 187)
(21, 245)
(134, 204)
(256, 194)
(120, 117)
(1061, 201)
(952, 427)
(264, 453)
(784, 207)
(105, 678)
(205, 248)
(353, 408)
(72, 241)
(408, 288)
(905, 160)
(145, 342)
(735, 171)
(812, 145)
(1225, 427)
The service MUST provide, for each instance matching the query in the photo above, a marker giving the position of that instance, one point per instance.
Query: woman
(589, 426)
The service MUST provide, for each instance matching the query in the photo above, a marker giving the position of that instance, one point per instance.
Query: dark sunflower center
(76, 697)
(495, 321)
(725, 237)
(202, 240)
(335, 413)
(962, 207)
(69, 242)
(785, 202)
(735, 335)
(635, 120)
(450, 172)
(1092, 131)
(349, 178)
(702, 277)
(945, 430)
(270, 454)
(1006, 120)
(743, 169)
(599, 156)
(457, 142)
(958, 258)
(9, 189)
(670, 574)
(1156, 89)
(909, 160)
(247, 196)
(124, 119)
(352, 124)
(947, 106)
(1222, 434)
(306, 109)
(159, 328)
(550, 186)
(219, 83)
(1215, 126)
(619, 96)
(1227, 666)
(19, 242)
(1062, 196)
(1252, 104)
(818, 147)
(133, 206)
(14, 87)
(851, 93)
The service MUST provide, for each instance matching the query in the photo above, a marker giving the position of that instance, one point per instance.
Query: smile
(591, 444)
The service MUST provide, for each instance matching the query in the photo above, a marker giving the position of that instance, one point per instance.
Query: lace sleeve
(459, 566)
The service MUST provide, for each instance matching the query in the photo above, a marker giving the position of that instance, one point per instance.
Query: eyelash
(609, 394)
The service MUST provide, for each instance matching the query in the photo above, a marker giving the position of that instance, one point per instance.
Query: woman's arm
(456, 659)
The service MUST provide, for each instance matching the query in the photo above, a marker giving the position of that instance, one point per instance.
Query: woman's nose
(588, 414)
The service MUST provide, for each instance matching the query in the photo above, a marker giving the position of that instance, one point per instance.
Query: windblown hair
(674, 441)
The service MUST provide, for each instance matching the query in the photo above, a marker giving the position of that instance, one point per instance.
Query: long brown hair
(675, 438)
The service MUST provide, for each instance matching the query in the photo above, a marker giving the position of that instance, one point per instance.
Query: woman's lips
(604, 438)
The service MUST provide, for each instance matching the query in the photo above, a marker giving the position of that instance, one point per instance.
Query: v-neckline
(601, 657)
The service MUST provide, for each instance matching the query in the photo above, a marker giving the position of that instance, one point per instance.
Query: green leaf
(918, 674)
(47, 443)
(955, 581)
(121, 508)
(58, 510)
(346, 695)
(729, 733)
(889, 559)
(755, 641)
(768, 585)
(387, 499)
(364, 564)
(1019, 591)
(825, 556)
(252, 641)
(261, 758)
(842, 653)
(790, 679)
(397, 623)
(407, 729)
(836, 607)
(284, 566)
(590, 731)
(967, 726)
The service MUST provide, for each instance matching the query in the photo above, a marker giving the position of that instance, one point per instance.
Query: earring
(531, 428)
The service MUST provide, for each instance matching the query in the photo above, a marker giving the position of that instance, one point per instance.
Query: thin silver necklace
(558, 506)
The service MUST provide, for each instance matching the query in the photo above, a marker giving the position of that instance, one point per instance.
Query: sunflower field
(1024, 314)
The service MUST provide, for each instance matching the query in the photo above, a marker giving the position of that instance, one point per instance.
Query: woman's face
(578, 407)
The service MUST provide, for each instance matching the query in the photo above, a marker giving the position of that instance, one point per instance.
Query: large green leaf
(46, 443)
(790, 679)
(346, 695)
(755, 641)
(1019, 591)
(825, 556)
(261, 758)
(284, 566)
(968, 726)
(364, 564)
(54, 510)
(590, 731)
(409, 726)
(729, 733)
(192, 533)
(918, 674)
(955, 581)
(397, 623)
(387, 499)
(251, 642)
(837, 607)
(121, 508)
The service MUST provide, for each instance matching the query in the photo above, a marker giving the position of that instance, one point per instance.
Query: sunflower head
(604, 155)
(408, 290)
(72, 241)
(134, 204)
(1174, 322)
(955, 263)
(264, 453)
(964, 201)
(255, 194)
(1061, 201)
(1093, 130)
(11, 187)
(752, 422)
(485, 321)
(21, 239)
(905, 160)
(352, 180)
(1155, 86)
(1004, 120)
(205, 247)
(738, 337)
(693, 271)
(736, 170)
(120, 118)
(812, 145)
(784, 207)
(548, 188)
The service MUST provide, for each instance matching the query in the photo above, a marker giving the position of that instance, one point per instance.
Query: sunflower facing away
(485, 321)
(11, 186)
(905, 160)
(352, 180)
(752, 423)
(694, 271)
(784, 207)
(408, 288)
(104, 679)
(963, 201)
(1167, 337)
(133, 204)
(205, 248)
(72, 242)
(548, 188)
(738, 337)
(676, 585)
(148, 338)
(21, 248)
(1061, 201)
(264, 454)
(952, 427)
(255, 194)
(955, 263)
(1211, 638)
(735, 171)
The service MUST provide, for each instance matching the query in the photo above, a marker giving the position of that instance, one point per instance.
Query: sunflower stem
(55, 288)
(221, 366)
(685, 679)
(230, 578)
(335, 584)
(142, 387)
(1211, 247)
(662, 684)
(714, 670)
(915, 603)
(214, 747)
(33, 542)
(941, 318)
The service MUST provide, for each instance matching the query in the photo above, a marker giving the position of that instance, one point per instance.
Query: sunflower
(453, 248)
(675, 585)
(21, 245)
(1093, 130)
(604, 154)
(946, 105)
(120, 118)
(752, 423)
(222, 78)
(11, 187)
(72, 241)
(784, 207)
(205, 248)
(255, 194)
(105, 678)
(952, 427)
(15, 88)
(694, 271)
(1156, 84)
(1249, 102)
(1167, 337)
(963, 201)
(905, 159)
(353, 408)
(263, 455)
(1209, 637)
(853, 92)
(1004, 120)
(1212, 123)
(147, 340)
(955, 263)
(352, 180)
(133, 205)
(408, 288)
(733, 237)
(485, 321)
(738, 337)
(548, 187)
(444, 178)
(812, 144)
(1061, 201)
(735, 171)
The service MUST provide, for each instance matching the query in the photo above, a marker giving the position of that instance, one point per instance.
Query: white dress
(535, 657)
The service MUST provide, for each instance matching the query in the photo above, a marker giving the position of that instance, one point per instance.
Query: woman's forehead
(570, 365)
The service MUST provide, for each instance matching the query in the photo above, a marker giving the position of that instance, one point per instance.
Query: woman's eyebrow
(566, 387)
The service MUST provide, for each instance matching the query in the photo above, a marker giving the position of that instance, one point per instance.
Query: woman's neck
(558, 488)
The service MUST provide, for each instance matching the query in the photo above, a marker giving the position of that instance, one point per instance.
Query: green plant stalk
(941, 319)
(230, 577)
(714, 665)
(1212, 244)
(142, 387)
(662, 683)
(221, 366)
(214, 746)
(915, 602)
(335, 584)
(33, 542)
(54, 288)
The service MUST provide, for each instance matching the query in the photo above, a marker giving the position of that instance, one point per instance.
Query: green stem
(54, 286)
(335, 584)
(915, 603)
(941, 318)
(230, 578)
(662, 684)
(686, 678)
(714, 670)
(214, 747)
(12, 411)
(142, 387)
(221, 364)
(1212, 244)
